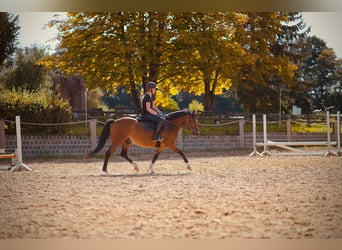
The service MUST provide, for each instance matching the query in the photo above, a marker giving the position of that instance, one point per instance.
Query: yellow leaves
(224, 84)
(97, 38)
(327, 53)
(196, 49)
(47, 62)
(173, 90)
(107, 78)
(196, 105)
(284, 68)
(164, 100)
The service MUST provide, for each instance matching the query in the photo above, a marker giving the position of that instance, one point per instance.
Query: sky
(324, 25)
(34, 30)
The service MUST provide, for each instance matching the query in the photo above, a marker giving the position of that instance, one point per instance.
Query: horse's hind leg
(124, 150)
(109, 153)
(155, 157)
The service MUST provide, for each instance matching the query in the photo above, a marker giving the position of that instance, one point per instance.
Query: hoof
(151, 169)
(188, 167)
(136, 169)
(105, 173)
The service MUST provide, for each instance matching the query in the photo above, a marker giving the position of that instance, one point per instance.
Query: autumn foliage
(201, 53)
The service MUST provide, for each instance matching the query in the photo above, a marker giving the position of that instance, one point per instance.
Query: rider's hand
(161, 115)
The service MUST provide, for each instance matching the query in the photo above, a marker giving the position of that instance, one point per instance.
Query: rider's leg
(157, 131)
(159, 122)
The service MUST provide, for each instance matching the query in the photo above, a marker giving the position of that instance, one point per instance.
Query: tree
(25, 73)
(205, 54)
(113, 49)
(319, 73)
(324, 69)
(131, 48)
(9, 34)
(195, 52)
(299, 92)
(267, 38)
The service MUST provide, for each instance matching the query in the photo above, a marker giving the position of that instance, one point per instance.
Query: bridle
(193, 126)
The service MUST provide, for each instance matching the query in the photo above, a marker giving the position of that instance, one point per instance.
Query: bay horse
(127, 130)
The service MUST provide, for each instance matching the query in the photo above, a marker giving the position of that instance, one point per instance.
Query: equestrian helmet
(151, 85)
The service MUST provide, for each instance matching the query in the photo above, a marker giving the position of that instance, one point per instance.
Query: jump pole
(265, 152)
(329, 152)
(19, 148)
(338, 131)
(255, 152)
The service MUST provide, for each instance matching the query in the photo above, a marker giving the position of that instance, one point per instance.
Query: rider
(150, 111)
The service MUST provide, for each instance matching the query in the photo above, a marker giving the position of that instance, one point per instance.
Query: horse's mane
(176, 114)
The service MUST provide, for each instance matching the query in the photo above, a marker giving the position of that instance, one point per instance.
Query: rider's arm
(155, 108)
(151, 109)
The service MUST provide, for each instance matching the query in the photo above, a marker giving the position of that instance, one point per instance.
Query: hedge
(42, 106)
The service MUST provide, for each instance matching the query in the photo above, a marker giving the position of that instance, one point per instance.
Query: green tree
(267, 38)
(319, 73)
(299, 92)
(9, 34)
(25, 73)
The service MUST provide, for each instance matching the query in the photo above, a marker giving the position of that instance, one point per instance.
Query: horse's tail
(103, 138)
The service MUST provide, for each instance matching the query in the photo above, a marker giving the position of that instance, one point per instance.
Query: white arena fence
(249, 134)
(330, 144)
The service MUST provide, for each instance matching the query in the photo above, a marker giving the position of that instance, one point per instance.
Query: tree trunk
(209, 101)
(134, 93)
(153, 72)
(209, 91)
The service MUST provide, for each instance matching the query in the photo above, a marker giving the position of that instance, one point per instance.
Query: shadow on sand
(140, 175)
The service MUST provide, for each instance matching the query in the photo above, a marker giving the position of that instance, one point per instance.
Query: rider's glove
(161, 115)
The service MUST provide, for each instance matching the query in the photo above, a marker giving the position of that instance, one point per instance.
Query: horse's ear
(194, 112)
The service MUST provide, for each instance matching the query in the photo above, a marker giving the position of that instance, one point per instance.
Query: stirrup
(157, 138)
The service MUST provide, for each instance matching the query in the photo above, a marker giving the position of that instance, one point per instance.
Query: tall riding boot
(157, 131)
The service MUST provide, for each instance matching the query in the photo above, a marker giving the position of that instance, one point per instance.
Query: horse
(127, 130)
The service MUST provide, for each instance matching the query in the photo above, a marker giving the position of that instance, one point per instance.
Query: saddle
(147, 124)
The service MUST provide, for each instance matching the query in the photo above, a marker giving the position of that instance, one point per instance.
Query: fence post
(328, 133)
(288, 129)
(338, 132)
(242, 133)
(93, 138)
(2, 135)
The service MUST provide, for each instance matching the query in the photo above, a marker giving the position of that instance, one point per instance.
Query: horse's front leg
(155, 157)
(180, 152)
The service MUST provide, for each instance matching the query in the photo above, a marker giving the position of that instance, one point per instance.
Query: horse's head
(185, 118)
(192, 123)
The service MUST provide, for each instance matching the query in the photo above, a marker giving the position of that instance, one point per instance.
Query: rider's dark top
(146, 99)
(147, 115)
